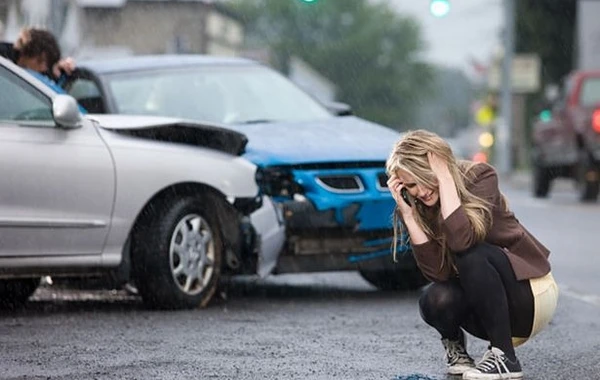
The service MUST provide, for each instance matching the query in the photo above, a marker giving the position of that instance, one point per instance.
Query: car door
(83, 86)
(56, 185)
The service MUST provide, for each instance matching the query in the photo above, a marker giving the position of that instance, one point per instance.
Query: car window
(21, 102)
(83, 88)
(228, 95)
(590, 92)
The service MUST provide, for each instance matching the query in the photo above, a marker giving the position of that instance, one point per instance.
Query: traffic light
(439, 8)
(545, 115)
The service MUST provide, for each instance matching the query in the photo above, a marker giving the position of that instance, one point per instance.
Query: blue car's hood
(339, 139)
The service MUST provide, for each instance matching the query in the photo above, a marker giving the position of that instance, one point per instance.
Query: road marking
(587, 298)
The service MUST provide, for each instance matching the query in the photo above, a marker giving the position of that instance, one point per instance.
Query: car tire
(542, 177)
(541, 181)
(177, 253)
(395, 279)
(588, 189)
(15, 292)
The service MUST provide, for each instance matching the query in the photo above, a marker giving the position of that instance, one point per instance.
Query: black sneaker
(495, 365)
(457, 358)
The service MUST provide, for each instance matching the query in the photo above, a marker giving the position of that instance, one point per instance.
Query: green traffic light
(439, 8)
(545, 115)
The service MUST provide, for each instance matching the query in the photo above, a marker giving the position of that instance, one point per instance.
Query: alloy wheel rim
(192, 254)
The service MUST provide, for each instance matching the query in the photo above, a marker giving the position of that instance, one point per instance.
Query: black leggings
(486, 300)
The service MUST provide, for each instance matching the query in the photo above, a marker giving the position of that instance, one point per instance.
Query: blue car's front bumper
(336, 230)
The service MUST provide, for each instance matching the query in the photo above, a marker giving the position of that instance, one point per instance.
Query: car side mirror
(339, 109)
(66, 112)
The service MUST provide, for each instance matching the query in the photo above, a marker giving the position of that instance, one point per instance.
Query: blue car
(321, 166)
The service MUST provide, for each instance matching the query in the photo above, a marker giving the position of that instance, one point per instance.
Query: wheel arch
(227, 215)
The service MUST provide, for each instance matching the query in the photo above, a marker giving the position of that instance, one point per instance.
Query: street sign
(526, 70)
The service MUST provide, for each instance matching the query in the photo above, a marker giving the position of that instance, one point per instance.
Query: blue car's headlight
(277, 182)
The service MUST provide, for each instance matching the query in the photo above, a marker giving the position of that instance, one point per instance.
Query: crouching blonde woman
(491, 277)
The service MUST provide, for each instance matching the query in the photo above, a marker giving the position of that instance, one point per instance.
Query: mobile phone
(405, 196)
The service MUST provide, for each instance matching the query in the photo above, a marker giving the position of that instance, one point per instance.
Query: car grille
(382, 181)
(341, 183)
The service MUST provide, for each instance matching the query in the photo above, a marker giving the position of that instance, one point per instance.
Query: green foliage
(547, 27)
(369, 51)
(447, 110)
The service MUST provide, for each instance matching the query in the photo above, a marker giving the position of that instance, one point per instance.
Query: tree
(547, 27)
(448, 109)
(370, 52)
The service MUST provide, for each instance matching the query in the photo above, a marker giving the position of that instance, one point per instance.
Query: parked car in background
(566, 140)
(162, 201)
(323, 167)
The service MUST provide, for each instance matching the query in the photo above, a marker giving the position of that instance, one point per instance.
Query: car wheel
(541, 175)
(15, 292)
(177, 254)
(588, 181)
(541, 181)
(395, 279)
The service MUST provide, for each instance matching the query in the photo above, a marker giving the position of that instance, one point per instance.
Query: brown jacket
(528, 257)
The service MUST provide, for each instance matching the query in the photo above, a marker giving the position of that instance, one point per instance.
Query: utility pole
(504, 127)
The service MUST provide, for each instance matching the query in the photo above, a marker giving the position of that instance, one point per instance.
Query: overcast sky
(471, 29)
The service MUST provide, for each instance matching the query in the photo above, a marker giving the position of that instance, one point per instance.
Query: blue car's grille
(382, 181)
(341, 183)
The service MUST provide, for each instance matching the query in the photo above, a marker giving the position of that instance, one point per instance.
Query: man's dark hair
(34, 42)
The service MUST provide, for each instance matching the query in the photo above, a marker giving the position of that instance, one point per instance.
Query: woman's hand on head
(439, 166)
(395, 186)
(449, 198)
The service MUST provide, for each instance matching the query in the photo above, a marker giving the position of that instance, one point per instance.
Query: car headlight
(277, 182)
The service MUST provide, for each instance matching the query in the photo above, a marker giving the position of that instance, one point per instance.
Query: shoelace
(493, 358)
(455, 352)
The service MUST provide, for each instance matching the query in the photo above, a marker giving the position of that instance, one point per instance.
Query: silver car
(165, 202)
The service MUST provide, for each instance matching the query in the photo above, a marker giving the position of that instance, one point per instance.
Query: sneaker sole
(459, 371)
(483, 376)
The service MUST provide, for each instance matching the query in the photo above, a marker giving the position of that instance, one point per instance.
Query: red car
(567, 140)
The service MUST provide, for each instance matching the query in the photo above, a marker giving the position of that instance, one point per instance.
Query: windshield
(590, 91)
(227, 95)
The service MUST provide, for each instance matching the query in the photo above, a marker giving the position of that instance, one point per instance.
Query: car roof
(153, 62)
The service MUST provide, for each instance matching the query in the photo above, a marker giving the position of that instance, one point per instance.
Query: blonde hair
(410, 154)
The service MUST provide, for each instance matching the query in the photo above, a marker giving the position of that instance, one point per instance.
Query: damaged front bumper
(333, 239)
(337, 217)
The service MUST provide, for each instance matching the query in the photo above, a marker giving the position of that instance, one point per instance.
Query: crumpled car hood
(175, 130)
(339, 139)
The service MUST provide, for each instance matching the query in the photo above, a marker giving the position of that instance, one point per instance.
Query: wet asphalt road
(316, 326)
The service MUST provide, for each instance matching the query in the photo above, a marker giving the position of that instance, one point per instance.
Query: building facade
(97, 28)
